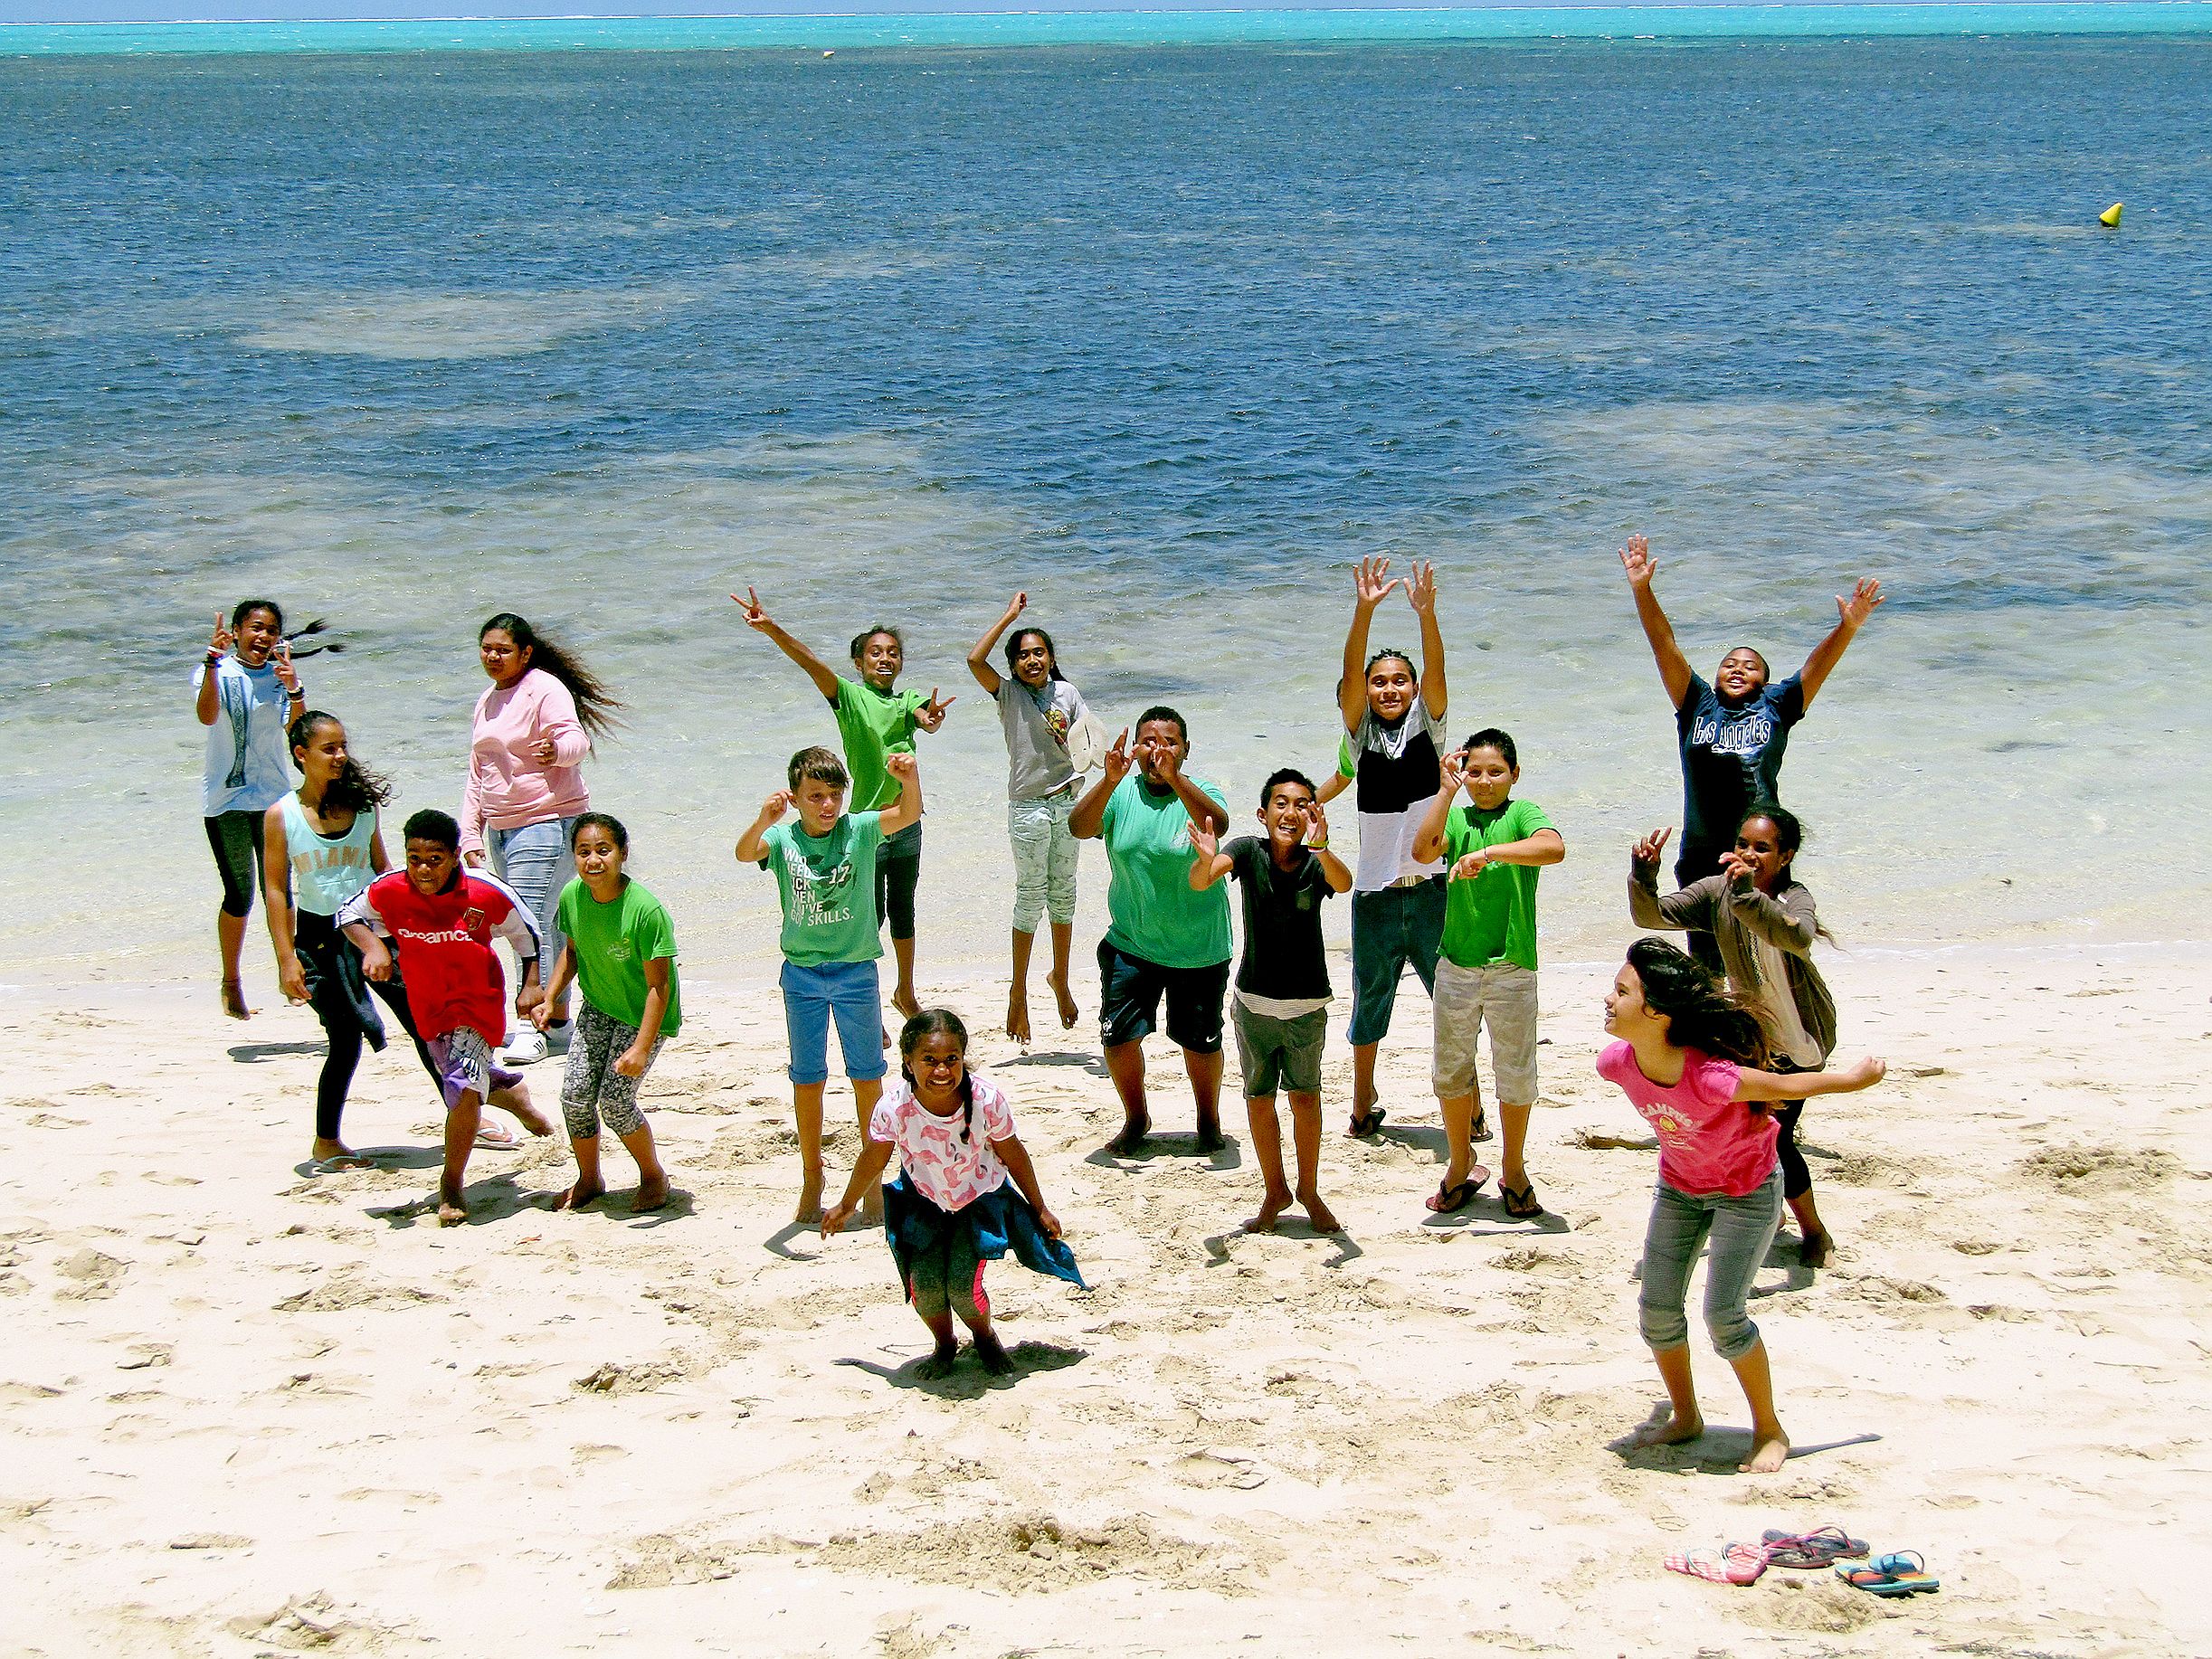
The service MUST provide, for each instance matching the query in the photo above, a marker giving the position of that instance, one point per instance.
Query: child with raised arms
(324, 844)
(620, 947)
(1393, 717)
(1040, 711)
(1279, 1011)
(824, 866)
(1493, 847)
(440, 919)
(951, 1210)
(244, 693)
(875, 720)
(1691, 1058)
(1764, 922)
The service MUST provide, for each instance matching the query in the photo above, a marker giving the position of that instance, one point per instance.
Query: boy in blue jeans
(825, 873)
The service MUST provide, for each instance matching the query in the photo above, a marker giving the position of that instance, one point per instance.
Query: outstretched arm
(1421, 588)
(1851, 615)
(1804, 1084)
(757, 619)
(979, 654)
(1687, 909)
(1674, 667)
(1372, 584)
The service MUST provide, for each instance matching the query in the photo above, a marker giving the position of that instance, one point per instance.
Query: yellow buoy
(2110, 217)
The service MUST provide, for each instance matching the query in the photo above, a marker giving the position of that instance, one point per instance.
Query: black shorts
(236, 838)
(1129, 1001)
(898, 871)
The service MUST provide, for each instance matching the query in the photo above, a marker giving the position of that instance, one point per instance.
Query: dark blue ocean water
(1168, 334)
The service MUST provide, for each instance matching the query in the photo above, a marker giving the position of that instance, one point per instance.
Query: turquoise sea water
(1168, 334)
(1123, 28)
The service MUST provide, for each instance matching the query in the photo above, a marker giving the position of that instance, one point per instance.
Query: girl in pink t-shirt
(1690, 1058)
(953, 1208)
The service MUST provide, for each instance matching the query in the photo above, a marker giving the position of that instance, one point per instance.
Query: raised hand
(1421, 587)
(1204, 842)
(1017, 605)
(288, 675)
(1372, 581)
(930, 716)
(755, 613)
(1454, 766)
(773, 808)
(1647, 851)
(1316, 825)
(1865, 601)
(1118, 760)
(223, 639)
(1740, 870)
(904, 767)
(1637, 560)
(1164, 762)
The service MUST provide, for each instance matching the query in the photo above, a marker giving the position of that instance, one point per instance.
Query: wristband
(1320, 846)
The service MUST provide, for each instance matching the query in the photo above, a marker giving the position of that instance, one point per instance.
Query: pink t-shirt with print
(1709, 1141)
(948, 1171)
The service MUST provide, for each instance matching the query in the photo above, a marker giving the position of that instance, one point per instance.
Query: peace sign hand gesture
(221, 642)
(1118, 760)
(755, 613)
(1646, 852)
(1637, 560)
(1866, 598)
(287, 676)
(930, 716)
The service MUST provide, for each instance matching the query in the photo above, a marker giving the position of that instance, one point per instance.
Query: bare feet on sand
(810, 1200)
(908, 1004)
(1131, 1140)
(1275, 1201)
(580, 1194)
(451, 1210)
(1769, 1453)
(1208, 1139)
(1018, 1018)
(1669, 1430)
(940, 1361)
(1067, 1000)
(234, 1001)
(532, 1118)
(652, 1194)
(992, 1353)
(1322, 1219)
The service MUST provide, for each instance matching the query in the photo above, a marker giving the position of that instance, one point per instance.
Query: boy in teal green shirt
(875, 721)
(1486, 965)
(824, 865)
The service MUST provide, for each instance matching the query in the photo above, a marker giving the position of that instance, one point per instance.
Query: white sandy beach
(249, 1412)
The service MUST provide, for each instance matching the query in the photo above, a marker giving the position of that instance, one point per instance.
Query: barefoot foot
(1017, 1020)
(532, 1118)
(234, 1001)
(1131, 1140)
(940, 1362)
(994, 1355)
(451, 1210)
(652, 1194)
(908, 1004)
(1769, 1453)
(1670, 1430)
(1065, 998)
(1322, 1219)
(810, 1200)
(1209, 1139)
(580, 1194)
(1272, 1204)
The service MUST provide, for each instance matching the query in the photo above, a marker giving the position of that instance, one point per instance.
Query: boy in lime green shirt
(1494, 847)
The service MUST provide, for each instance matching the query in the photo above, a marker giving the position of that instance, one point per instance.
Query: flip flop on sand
(1822, 1547)
(1903, 1573)
(1738, 1564)
(343, 1161)
(1521, 1203)
(497, 1138)
(1364, 1124)
(1450, 1198)
(1481, 1130)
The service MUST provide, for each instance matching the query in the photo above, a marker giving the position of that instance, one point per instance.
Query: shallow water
(1169, 336)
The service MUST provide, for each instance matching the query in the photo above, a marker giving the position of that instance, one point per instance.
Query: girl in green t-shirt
(620, 947)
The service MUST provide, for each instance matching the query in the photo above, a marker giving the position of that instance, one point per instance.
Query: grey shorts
(1279, 1054)
(1502, 998)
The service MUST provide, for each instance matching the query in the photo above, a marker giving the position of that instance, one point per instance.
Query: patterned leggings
(949, 1277)
(592, 1089)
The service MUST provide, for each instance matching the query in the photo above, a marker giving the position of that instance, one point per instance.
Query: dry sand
(249, 1411)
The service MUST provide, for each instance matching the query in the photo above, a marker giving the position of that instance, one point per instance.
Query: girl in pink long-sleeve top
(526, 789)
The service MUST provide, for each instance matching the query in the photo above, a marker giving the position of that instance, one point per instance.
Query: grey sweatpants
(1741, 1230)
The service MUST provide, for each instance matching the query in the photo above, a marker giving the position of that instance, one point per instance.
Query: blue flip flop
(1900, 1573)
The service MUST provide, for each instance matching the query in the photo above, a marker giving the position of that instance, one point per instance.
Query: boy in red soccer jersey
(440, 919)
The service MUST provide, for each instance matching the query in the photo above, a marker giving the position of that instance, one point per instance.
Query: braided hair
(940, 1022)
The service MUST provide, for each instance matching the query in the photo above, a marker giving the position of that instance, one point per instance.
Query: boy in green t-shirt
(1486, 964)
(825, 868)
(874, 721)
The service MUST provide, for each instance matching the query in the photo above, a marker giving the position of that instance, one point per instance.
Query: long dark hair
(1699, 1013)
(1789, 836)
(940, 1022)
(353, 788)
(1052, 652)
(596, 706)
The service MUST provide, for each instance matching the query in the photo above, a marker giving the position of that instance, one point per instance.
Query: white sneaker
(557, 1036)
(528, 1048)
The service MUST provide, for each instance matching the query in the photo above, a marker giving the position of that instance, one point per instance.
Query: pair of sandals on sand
(1451, 1196)
(1900, 1573)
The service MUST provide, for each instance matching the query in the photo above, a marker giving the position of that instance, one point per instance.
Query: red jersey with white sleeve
(443, 944)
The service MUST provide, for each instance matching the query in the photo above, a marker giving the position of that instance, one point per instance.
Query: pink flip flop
(1738, 1564)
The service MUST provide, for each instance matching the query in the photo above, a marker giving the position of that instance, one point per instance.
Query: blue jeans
(1741, 1229)
(849, 993)
(535, 860)
(1391, 930)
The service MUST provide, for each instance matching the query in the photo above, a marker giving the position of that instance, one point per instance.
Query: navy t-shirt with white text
(1731, 757)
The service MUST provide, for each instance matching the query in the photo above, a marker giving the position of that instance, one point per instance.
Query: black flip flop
(1452, 1199)
(1521, 1202)
(1366, 1123)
